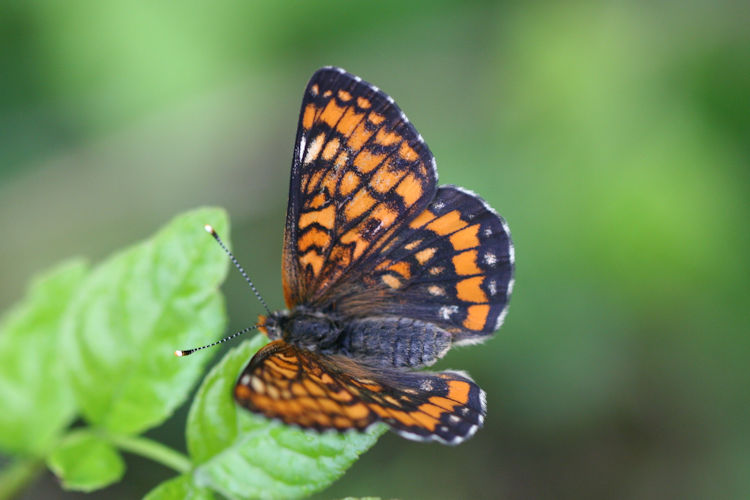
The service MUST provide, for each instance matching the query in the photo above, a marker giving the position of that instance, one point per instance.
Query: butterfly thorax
(304, 327)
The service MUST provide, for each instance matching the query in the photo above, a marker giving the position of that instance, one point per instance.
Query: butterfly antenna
(213, 233)
(187, 352)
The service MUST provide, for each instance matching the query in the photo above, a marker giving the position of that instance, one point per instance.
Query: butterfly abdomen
(394, 342)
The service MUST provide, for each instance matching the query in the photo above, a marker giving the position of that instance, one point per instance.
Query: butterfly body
(384, 342)
(383, 272)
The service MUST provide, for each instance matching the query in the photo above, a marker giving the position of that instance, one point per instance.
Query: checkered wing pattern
(452, 266)
(322, 392)
(360, 170)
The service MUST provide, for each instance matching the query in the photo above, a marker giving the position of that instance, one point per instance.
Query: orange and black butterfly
(383, 272)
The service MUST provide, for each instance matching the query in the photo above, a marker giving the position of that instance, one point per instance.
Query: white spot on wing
(314, 150)
(511, 250)
(490, 259)
(257, 385)
(412, 436)
(446, 312)
(492, 287)
(426, 385)
(302, 144)
(501, 318)
(470, 341)
(460, 373)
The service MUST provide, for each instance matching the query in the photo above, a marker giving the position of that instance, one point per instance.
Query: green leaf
(86, 462)
(131, 314)
(179, 488)
(243, 455)
(35, 398)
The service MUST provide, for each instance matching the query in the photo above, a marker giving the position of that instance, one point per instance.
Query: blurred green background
(614, 137)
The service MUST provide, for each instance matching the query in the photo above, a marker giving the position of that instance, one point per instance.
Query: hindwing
(452, 265)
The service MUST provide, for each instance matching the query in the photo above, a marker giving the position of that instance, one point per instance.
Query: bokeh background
(613, 136)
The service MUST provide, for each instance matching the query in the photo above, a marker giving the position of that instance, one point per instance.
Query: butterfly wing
(360, 170)
(367, 231)
(322, 392)
(451, 266)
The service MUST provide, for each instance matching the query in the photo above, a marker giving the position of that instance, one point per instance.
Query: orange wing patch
(410, 189)
(469, 290)
(324, 217)
(476, 317)
(465, 263)
(367, 161)
(349, 183)
(309, 116)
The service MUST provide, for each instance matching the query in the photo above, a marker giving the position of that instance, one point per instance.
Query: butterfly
(383, 272)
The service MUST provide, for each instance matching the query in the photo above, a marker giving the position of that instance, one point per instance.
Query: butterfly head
(272, 324)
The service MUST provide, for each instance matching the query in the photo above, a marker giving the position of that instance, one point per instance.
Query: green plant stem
(153, 450)
(18, 475)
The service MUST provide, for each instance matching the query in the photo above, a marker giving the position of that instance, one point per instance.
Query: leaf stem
(18, 475)
(153, 450)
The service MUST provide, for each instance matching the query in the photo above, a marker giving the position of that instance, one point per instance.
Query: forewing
(322, 392)
(452, 265)
(360, 171)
